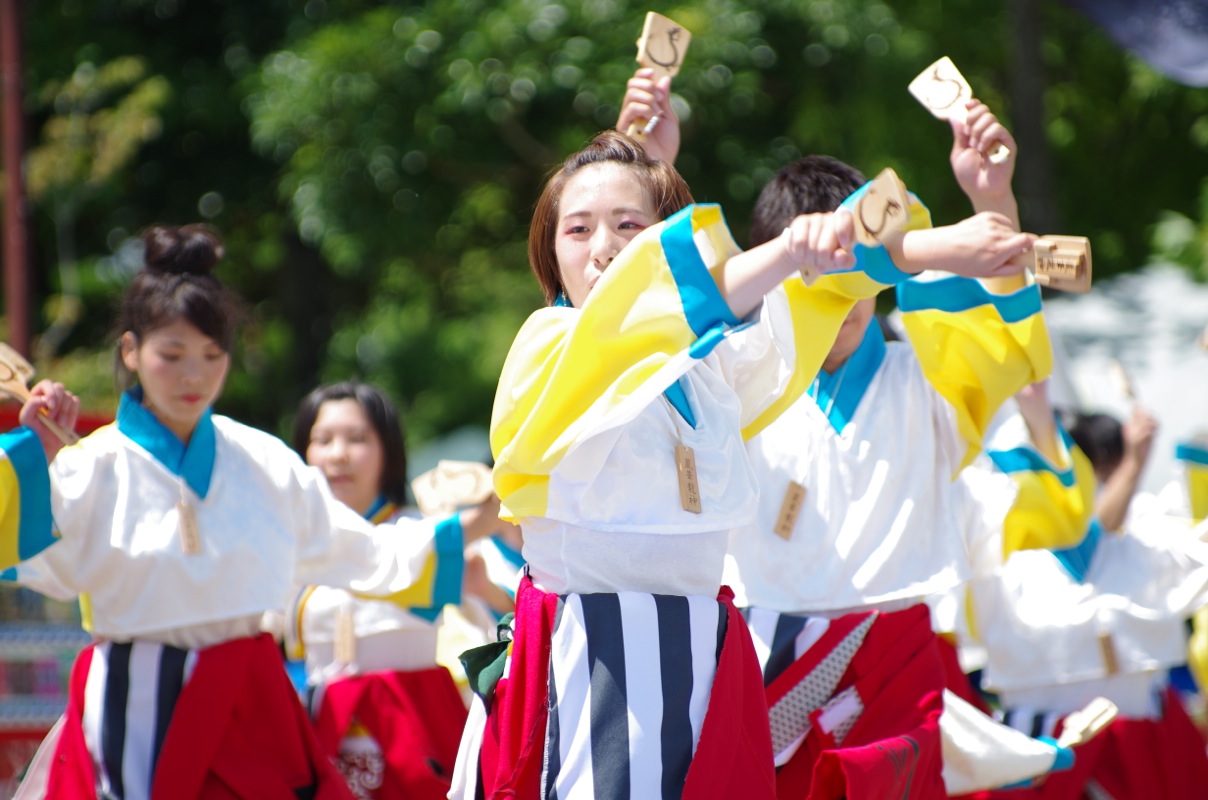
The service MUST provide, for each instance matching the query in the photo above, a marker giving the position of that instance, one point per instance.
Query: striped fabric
(780, 639)
(626, 712)
(1033, 723)
(131, 692)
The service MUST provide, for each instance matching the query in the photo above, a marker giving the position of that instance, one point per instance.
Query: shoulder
(263, 448)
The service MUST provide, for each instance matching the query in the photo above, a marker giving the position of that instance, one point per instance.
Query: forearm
(1112, 504)
(745, 278)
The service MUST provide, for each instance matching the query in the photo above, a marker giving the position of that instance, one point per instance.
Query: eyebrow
(617, 210)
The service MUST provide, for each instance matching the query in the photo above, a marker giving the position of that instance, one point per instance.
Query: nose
(605, 245)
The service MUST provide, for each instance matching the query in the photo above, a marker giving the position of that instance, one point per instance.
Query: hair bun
(184, 249)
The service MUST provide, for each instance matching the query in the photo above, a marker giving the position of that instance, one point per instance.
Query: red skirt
(733, 755)
(893, 747)
(237, 731)
(415, 717)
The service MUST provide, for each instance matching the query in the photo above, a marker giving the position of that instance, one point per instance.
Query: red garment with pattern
(415, 717)
(733, 756)
(893, 749)
(237, 732)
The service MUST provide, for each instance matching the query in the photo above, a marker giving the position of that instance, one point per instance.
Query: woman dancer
(178, 528)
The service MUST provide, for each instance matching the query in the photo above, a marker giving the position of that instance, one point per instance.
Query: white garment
(267, 523)
(882, 519)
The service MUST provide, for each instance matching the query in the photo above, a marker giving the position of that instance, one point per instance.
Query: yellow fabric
(1197, 648)
(976, 361)
(10, 515)
(86, 612)
(570, 370)
(1048, 515)
(418, 594)
(1197, 491)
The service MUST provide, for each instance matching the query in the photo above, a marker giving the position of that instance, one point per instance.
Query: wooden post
(12, 140)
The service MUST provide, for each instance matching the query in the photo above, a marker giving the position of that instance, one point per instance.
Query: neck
(834, 361)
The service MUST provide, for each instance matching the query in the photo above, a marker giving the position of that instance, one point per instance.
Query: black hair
(810, 185)
(1101, 438)
(176, 282)
(384, 418)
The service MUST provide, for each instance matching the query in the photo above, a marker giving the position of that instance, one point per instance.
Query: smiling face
(346, 448)
(181, 371)
(603, 206)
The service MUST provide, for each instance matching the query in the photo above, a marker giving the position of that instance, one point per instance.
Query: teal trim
(1026, 459)
(194, 463)
(35, 525)
(1076, 560)
(8, 575)
(296, 670)
(875, 262)
(851, 380)
(1065, 755)
(955, 294)
(378, 504)
(678, 398)
(704, 306)
(450, 546)
(1191, 453)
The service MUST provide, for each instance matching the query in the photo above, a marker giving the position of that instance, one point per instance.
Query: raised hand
(647, 99)
(986, 183)
(985, 245)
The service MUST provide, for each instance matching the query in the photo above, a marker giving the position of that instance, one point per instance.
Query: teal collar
(1077, 559)
(839, 394)
(195, 463)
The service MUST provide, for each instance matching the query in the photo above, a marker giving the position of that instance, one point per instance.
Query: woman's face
(602, 207)
(181, 371)
(346, 448)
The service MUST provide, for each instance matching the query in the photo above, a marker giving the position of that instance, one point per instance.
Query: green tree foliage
(373, 165)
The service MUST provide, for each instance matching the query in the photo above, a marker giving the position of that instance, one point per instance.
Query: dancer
(860, 519)
(388, 714)
(631, 372)
(178, 528)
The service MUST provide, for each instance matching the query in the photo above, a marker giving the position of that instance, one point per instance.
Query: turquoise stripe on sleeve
(1026, 459)
(956, 293)
(1063, 759)
(35, 529)
(1191, 453)
(8, 575)
(704, 306)
(1076, 560)
(450, 545)
(875, 262)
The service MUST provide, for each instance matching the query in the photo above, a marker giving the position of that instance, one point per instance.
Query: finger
(960, 134)
(845, 228)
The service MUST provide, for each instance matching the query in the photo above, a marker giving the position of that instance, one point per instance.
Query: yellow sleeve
(654, 313)
(1194, 458)
(1054, 505)
(1197, 648)
(25, 521)
(975, 347)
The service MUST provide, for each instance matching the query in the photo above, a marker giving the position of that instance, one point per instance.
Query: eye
(217, 356)
(630, 225)
(576, 229)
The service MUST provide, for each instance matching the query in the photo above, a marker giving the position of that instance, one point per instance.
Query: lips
(191, 398)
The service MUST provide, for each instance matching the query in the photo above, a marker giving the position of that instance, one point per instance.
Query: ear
(129, 347)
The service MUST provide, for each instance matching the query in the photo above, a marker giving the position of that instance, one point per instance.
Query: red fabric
(893, 749)
(237, 731)
(415, 717)
(733, 756)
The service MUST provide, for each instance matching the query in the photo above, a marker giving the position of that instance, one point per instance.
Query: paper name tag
(943, 91)
(1107, 649)
(790, 509)
(882, 210)
(685, 465)
(345, 644)
(662, 45)
(190, 536)
(1063, 263)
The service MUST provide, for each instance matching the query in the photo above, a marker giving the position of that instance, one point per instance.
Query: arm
(1038, 415)
(985, 183)
(1118, 490)
(646, 99)
(50, 399)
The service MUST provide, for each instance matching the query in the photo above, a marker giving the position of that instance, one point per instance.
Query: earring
(562, 301)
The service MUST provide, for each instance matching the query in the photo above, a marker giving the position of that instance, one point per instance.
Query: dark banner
(1170, 35)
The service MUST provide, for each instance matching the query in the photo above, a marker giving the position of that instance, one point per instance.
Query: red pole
(16, 250)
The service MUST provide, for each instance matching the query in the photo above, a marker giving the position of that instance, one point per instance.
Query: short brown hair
(667, 191)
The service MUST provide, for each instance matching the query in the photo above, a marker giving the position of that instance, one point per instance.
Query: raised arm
(648, 100)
